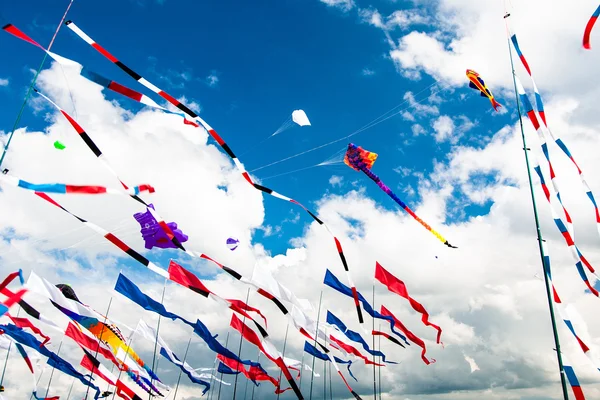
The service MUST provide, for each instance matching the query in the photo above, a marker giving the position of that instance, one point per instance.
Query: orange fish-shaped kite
(478, 84)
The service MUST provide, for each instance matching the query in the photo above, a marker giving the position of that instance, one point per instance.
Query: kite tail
(495, 104)
(588, 29)
(389, 192)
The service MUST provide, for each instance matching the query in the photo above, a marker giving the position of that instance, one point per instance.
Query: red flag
(353, 350)
(411, 336)
(397, 286)
(89, 343)
(267, 349)
(24, 323)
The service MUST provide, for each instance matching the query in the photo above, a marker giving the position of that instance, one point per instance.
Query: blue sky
(269, 58)
(248, 65)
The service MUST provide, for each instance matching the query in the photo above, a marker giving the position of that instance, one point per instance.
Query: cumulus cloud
(484, 294)
(443, 127)
(344, 5)
(212, 79)
(4, 82)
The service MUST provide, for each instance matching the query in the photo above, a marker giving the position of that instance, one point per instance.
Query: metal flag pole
(254, 386)
(301, 370)
(181, 370)
(30, 90)
(373, 336)
(221, 377)
(52, 373)
(98, 349)
(379, 369)
(325, 371)
(283, 355)
(8, 353)
(539, 232)
(312, 377)
(130, 341)
(162, 298)
(240, 347)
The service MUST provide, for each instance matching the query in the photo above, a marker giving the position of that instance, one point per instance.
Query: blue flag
(128, 289)
(354, 336)
(186, 369)
(54, 360)
(334, 283)
(313, 351)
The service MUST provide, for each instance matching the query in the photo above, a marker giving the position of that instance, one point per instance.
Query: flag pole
(379, 369)
(8, 353)
(30, 90)
(312, 377)
(156, 340)
(240, 348)
(283, 355)
(130, 341)
(254, 386)
(325, 371)
(98, 349)
(52, 373)
(539, 232)
(373, 336)
(221, 377)
(181, 370)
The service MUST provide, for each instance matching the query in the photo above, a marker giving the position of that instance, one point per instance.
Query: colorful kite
(232, 243)
(588, 29)
(153, 234)
(362, 160)
(478, 84)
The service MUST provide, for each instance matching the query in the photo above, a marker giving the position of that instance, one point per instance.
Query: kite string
(30, 89)
(382, 118)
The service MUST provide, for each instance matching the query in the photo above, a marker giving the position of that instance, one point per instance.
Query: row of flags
(98, 336)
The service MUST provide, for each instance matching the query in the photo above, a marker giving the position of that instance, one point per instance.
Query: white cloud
(417, 130)
(483, 294)
(212, 79)
(4, 82)
(444, 128)
(368, 72)
(336, 180)
(344, 5)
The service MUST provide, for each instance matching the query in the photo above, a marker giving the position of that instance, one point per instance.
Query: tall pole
(71, 388)
(373, 336)
(52, 373)
(301, 370)
(330, 387)
(8, 353)
(221, 377)
(325, 372)
(254, 386)
(213, 375)
(130, 341)
(379, 348)
(20, 114)
(539, 234)
(156, 338)
(284, 344)
(98, 349)
(181, 370)
(312, 377)
(240, 347)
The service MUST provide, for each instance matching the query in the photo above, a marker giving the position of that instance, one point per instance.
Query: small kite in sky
(232, 243)
(298, 117)
(153, 234)
(472, 364)
(478, 84)
(362, 160)
(589, 27)
(59, 146)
